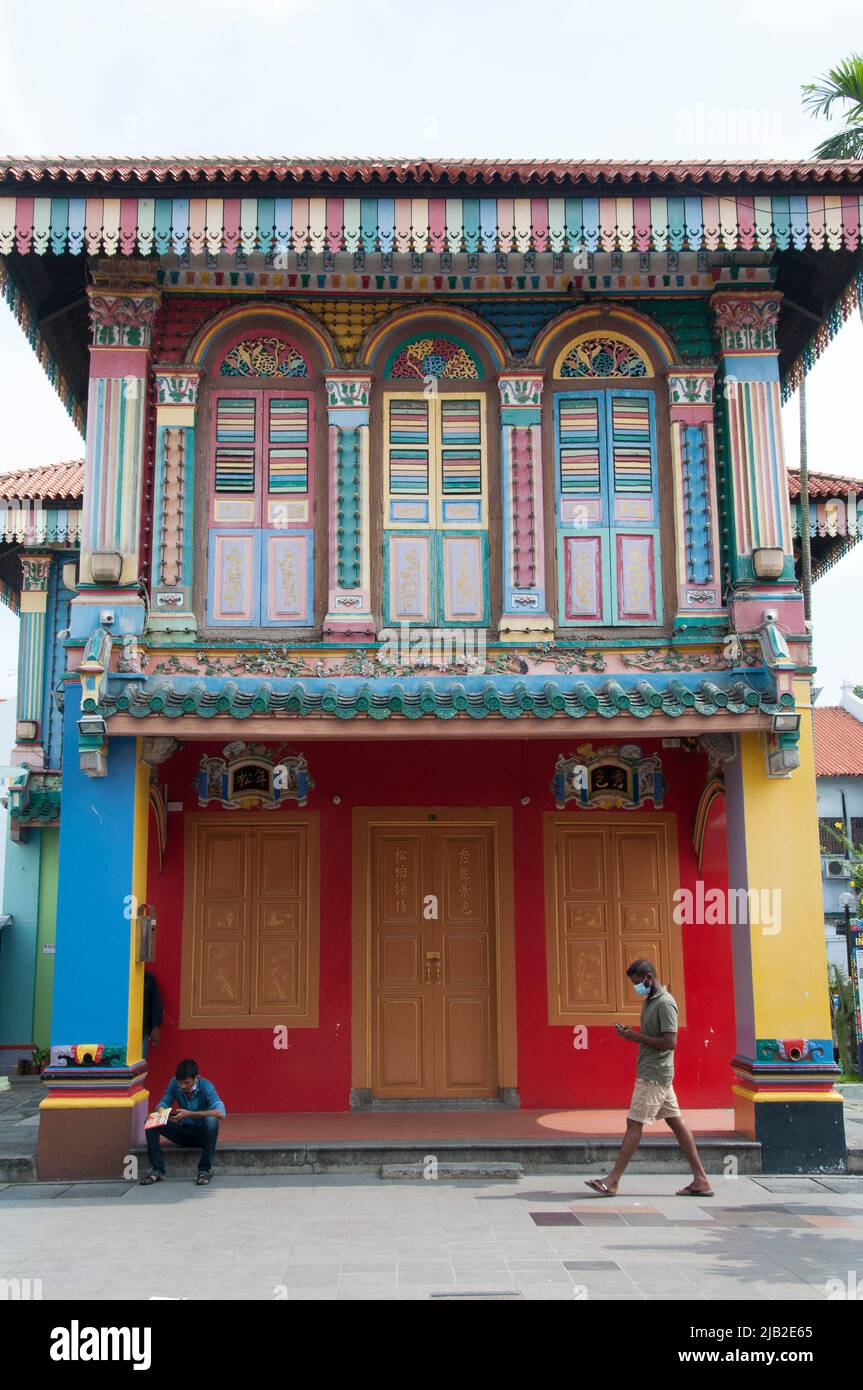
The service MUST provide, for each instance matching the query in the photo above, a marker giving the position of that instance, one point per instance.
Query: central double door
(433, 966)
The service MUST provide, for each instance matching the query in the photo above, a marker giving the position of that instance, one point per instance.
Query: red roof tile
(212, 169)
(824, 484)
(838, 743)
(54, 482)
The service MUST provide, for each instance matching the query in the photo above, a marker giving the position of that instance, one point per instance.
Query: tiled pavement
(356, 1237)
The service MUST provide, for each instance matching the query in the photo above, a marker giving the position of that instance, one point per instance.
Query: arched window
(607, 485)
(435, 485)
(260, 457)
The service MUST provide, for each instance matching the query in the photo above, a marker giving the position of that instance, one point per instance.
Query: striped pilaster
(693, 455)
(174, 498)
(746, 324)
(36, 570)
(122, 315)
(525, 613)
(349, 589)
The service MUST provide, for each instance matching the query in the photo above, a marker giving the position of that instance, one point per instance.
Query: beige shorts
(652, 1100)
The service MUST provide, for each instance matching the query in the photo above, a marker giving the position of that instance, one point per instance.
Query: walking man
(653, 1097)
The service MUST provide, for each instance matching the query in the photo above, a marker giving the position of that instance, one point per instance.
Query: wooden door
(608, 902)
(250, 935)
(433, 974)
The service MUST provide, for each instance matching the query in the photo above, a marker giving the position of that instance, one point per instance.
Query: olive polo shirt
(658, 1016)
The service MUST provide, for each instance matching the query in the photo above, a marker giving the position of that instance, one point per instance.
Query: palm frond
(840, 84)
(845, 144)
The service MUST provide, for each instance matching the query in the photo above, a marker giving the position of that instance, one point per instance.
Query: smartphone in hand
(621, 1028)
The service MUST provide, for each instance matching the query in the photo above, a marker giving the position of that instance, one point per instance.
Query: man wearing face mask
(653, 1098)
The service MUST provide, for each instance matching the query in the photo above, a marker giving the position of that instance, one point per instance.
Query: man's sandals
(151, 1178)
(202, 1179)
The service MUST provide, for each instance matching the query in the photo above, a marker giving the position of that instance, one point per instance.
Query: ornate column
(524, 615)
(123, 305)
(759, 513)
(174, 499)
(349, 612)
(693, 454)
(783, 1070)
(36, 571)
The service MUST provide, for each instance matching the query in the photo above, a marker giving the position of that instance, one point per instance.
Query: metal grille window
(830, 838)
(857, 832)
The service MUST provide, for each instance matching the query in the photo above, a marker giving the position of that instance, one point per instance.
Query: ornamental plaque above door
(252, 775)
(615, 775)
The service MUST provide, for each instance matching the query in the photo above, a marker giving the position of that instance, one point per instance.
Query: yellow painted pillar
(784, 1069)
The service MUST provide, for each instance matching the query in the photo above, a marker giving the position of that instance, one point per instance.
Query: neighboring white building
(839, 777)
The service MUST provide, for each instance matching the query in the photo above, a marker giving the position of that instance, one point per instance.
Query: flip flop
(151, 1178)
(691, 1192)
(599, 1187)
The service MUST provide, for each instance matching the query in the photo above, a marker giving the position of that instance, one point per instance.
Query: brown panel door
(464, 1003)
(279, 908)
(433, 962)
(251, 898)
(223, 870)
(612, 885)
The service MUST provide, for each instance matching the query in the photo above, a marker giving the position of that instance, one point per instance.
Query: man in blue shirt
(195, 1124)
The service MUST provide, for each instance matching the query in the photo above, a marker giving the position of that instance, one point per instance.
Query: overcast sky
(375, 77)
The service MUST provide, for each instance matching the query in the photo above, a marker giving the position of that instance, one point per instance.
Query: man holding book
(193, 1125)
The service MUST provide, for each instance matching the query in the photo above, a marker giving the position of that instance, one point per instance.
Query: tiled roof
(54, 481)
(43, 806)
(442, 698)
(838, 742)
(824, 484)
(92, 169)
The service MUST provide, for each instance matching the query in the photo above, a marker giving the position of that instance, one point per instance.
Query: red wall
(314, 1073)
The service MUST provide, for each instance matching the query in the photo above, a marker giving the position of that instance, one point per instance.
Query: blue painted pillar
(96, 1100)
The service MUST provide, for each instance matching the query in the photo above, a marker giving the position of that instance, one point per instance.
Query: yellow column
(784, 1069)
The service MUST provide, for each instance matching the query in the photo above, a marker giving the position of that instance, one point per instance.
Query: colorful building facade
(436, 647)
(40, 531)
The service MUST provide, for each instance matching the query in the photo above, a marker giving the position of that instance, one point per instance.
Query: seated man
(195, 1124)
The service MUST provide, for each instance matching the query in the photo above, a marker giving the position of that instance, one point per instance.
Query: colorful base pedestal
(81, 1138)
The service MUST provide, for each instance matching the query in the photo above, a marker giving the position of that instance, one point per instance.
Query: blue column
(96, 1100)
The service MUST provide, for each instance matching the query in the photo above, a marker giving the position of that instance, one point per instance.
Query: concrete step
(470, 1172)
(589, 1155)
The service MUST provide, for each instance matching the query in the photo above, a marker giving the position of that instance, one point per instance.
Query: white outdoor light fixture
(26, 731)
(786, 723)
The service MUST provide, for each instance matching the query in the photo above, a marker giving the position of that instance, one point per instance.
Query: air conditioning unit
(836, 868)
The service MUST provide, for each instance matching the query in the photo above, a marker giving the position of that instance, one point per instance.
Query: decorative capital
(177, 385)
(35, 569)
(520, 388)
(690, 385)
(349, 390)
(747, 320)
(120, 319)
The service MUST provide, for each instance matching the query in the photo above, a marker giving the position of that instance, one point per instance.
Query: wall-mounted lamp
(768, 562)
(786, 723)
(146, 934)
(26, 730)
